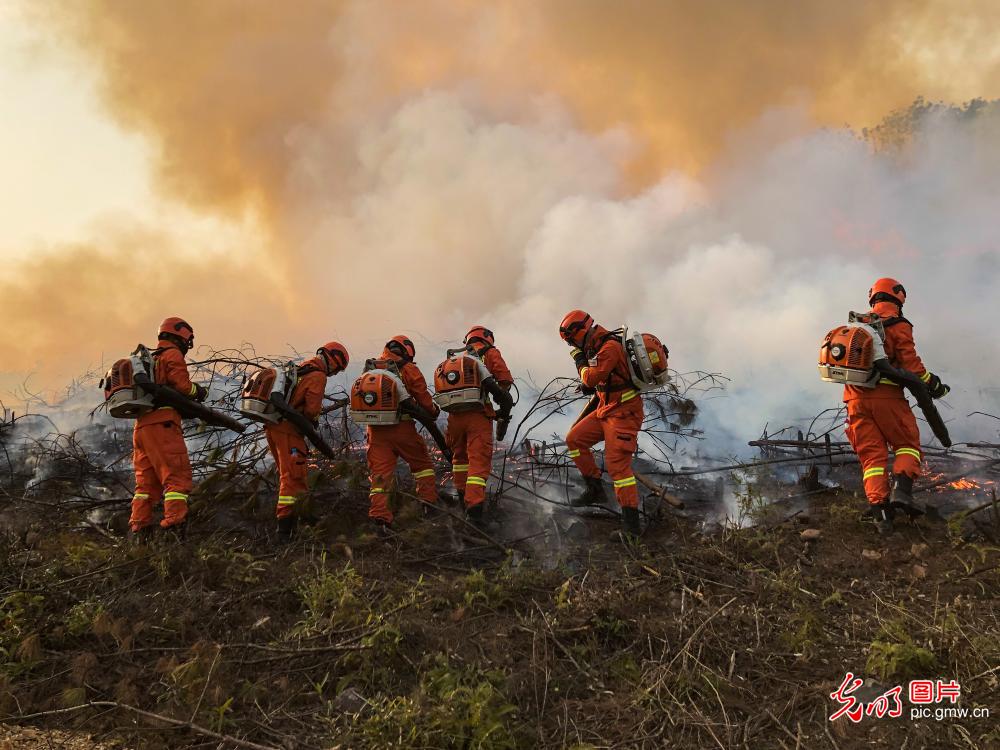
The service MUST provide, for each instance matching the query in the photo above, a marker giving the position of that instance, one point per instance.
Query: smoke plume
(422, 167)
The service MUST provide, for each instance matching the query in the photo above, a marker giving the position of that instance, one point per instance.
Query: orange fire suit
(616, 420)
(287, 444)
(388, 443)
(159, 453)
(880, 418)
(470, 434)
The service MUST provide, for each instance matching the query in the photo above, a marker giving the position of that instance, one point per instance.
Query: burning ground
(728, 627)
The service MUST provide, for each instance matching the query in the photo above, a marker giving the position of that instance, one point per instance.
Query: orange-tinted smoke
(222, 88)
(222, 85)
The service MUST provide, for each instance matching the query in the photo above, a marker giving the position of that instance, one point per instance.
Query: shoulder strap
(886, 322)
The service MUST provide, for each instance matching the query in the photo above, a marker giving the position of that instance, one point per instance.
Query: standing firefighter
(159, 454)
(286, 441)
(614, 417)
(392, 389)
(879, 417)
(463, 384)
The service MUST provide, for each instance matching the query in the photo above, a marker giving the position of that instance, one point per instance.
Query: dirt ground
(440, 638)
(32, 738)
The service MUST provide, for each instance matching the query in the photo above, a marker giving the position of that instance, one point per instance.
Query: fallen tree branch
(659, 491)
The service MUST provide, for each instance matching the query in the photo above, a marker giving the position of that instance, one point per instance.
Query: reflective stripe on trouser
(288, 448)
(387, 444)
(161, 462)
(175, 507)
(874, 425)
(619, 430)
(470, 437)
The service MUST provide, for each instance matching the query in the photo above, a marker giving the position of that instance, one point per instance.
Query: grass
(682, 643)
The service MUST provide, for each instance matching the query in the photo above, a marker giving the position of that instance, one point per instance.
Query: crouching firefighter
(289, 402)
(614, 415)
(463, 385)
(159, 453)
(875, 357)
(388, 396)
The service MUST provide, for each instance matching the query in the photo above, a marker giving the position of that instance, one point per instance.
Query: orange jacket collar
(887, 309)
(596, 334)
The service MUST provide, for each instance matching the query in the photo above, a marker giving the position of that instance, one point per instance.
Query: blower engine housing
(647, 359)
(255, 400)
(458, 382)
(124, 397)
(849, 352)
(377, 396)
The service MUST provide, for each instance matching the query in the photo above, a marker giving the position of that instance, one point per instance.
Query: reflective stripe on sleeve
(460, 467)
(908, 452)
(140, 496)
(573, 453)
(424, 473)
(875, 471)
(628, 396)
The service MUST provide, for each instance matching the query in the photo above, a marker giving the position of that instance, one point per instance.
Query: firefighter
(286, 442)
(159, 453)
(388, 443)
(470, 433)
(880, 418)
(614, 416)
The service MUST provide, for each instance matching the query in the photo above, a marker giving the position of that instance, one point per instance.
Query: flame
(963, 484)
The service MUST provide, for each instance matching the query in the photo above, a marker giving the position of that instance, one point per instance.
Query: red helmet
(401, 347)
(575, 327)
(887, 290)
(335, 355)
(178, 331)
(479, 333)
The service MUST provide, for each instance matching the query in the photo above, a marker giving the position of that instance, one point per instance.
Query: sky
(284, 174)
(55, 138)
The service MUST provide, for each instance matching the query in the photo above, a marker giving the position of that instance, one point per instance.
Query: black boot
(474, 515)
(630, 530)
(593, 493)
(382, 529)
(902, 495)
(286, 529)
(883, 515)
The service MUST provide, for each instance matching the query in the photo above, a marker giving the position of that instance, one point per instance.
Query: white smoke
(455, 212)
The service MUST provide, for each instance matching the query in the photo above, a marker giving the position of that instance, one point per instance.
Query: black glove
(200, 393)
(503, 422)
(936, 388)
(586, 390)
(579, 358)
